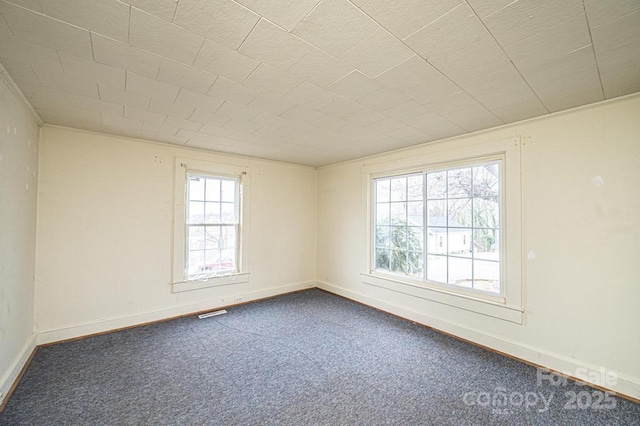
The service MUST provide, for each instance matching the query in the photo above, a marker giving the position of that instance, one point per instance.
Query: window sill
(466, 302)
(240, 278)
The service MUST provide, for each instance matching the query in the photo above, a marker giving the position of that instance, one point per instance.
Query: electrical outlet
(238, 299)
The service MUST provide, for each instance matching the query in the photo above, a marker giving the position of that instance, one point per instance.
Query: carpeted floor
(307, 358)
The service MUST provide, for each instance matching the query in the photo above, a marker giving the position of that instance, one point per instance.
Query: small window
(441, 226)
(213, 226)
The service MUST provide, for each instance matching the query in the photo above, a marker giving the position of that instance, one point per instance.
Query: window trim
(184, 166)
(507, 306)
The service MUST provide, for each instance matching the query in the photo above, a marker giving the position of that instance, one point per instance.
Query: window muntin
(441, 226)
(212, 223)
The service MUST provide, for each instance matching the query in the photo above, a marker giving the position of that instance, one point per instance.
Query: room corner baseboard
(46, 337)
(625, 386)
(12, 376)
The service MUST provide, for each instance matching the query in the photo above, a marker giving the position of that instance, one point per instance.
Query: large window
(213, 226)
(210, 225)
(441, 225)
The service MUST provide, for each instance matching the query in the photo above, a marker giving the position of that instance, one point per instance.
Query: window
(210, 225)
(441, 225)
(213, 226)
(445, 225)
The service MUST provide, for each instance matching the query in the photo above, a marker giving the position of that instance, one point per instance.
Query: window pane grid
(459, 209)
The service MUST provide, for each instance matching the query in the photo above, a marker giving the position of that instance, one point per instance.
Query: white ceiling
(314, 82)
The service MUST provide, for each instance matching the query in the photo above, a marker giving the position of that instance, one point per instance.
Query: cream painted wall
(18, 192)
(582, 291)
(105, 233)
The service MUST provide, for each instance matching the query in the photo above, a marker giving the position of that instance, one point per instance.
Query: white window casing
(180, 279)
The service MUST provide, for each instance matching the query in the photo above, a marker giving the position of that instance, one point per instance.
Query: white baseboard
(12, 373)
(624, 385)
(51, 336)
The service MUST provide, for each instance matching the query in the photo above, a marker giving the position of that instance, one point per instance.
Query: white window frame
(508, 305)
(184, 166)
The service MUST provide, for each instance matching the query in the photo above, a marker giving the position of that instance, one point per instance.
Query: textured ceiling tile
(144, 115)
(619, 32)
(474, 118)
(24, 72)
(170, 108)
(403, 18)
(210, 130)
(269, 78)
(80, 68)
(92, 104)
(319, 68)
(179, 74)
(573, 83)
(223, 21)
(335, 26)
(164, 9)
(233, 110)
(340, 107)
(28, 4)
(159, 36)
(601, 12)
(265, 119)
(365, 116)
(523, 19)
(45, 31)
(274, 46)
(429, 91)
(180, 123)
(355, 85)
(29, 53)
(107, 17)
(209, 116)
(229, 90)
(59, 80)
(406, 110)
(560, 102)
(117, 96)
(383, 99)
(506, 95)
(554, 43)
(218, 59)
(150, 87)
(328, 122)
(485, 8)
(488, 80)
(450, 33)
(127, 57)
(451, 103)
(271, 102)
(241, 125)
(117, 121)
(621, 81)
(309, 95)
(52, 96)
(302, 115)
(408, 74)
(520, 110)
(558, 68)
(188, 97)
(286, 13)
(191, 135)
(473, 60)
(377, 53)
(386, 125)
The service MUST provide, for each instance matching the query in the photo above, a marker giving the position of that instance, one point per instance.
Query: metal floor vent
(212, 314)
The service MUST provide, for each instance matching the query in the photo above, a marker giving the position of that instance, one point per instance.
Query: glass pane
(486, 244)
(398, 237)
(211, 261)
(228, 191)
(196, 188)
(382, 259)
(399, 189)
(415, 237)
(415, 213)
(486, 180)
(196, 238)
(399, 261)
(212, 212)
(212, 189)
(437, 185)
(415, 261)
(228, 237)
(437, 240)
(437, 268)
(459, 182)
(486, 212)
(382, 213)
(383, 190)
(212, 236)
(486, 276)
(460, 272)
(228, 260)
(196, 212)
(382, 236)
(460, 213)
(195, 262)
(459, 242)
(399, 213)
(228, 213)
(437, 213)
(415, 187)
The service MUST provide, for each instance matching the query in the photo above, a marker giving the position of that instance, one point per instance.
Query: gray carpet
(307, 358)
